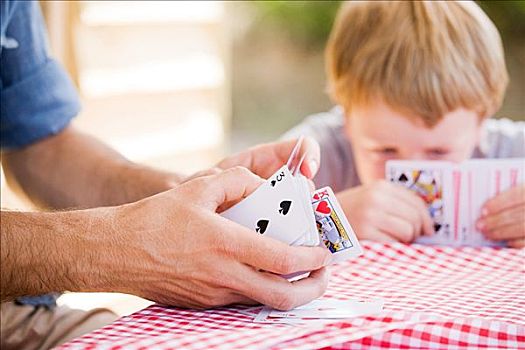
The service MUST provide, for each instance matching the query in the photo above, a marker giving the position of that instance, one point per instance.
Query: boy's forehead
(378, 123)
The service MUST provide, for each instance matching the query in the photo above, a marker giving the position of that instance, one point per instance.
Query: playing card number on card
(283, 208)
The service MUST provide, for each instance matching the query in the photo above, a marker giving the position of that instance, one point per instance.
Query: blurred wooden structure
(153, 76)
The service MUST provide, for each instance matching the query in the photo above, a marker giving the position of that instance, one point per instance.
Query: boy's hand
(503, 217)
(383, 211)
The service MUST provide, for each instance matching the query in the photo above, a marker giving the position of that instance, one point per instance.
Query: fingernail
(313, 167)
(484, 212)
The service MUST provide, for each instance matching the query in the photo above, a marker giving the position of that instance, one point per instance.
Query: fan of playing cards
(455, 193)
(283, 208)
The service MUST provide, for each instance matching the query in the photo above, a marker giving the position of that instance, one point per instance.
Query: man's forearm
(54, 252)
(72, 169)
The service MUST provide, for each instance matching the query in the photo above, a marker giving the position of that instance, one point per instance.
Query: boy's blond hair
(425, 58)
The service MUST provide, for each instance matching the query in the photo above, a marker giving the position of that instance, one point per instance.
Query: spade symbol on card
(262, 225)
(437, 227)
(285, 207)
(277, 179)
(403, 178)
(323, 208)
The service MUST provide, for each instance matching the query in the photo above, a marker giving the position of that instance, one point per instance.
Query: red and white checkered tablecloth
(435, 297)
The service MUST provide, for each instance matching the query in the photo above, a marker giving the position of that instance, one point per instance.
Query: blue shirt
(37, 98)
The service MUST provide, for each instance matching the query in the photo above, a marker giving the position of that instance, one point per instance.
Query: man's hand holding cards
(284, 209)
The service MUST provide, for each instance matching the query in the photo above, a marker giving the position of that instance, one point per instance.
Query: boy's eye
(437, 152)
(387, 151)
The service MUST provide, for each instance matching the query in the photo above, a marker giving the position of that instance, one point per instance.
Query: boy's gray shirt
(501, 138)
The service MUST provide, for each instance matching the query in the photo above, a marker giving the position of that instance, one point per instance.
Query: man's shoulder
(502, 138)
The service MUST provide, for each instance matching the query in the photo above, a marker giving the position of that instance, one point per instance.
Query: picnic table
(435, 297)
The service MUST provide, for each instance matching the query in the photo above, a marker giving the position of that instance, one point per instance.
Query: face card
(428, 185)
(273, 210)
(466, 187)
(430, 180)
(335, 232)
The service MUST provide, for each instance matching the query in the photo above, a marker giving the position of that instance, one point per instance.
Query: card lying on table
(455, 193)
(321, 309)
(283, 208)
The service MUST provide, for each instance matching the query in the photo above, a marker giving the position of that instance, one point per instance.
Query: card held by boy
(455, 193)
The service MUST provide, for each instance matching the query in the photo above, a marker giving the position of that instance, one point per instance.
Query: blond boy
(413, 80)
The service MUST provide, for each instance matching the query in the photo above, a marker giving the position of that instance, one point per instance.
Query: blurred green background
(278, 64)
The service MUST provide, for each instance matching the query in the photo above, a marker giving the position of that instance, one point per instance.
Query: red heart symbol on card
(316, 197)
(323, 208)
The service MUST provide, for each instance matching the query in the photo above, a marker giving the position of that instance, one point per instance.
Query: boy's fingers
(507, 199)
(428, 223)
(517, 243)
(383, 237)
(401, 206)
(509, 232)
(514, 215)
(397, 228)
(418, 206)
